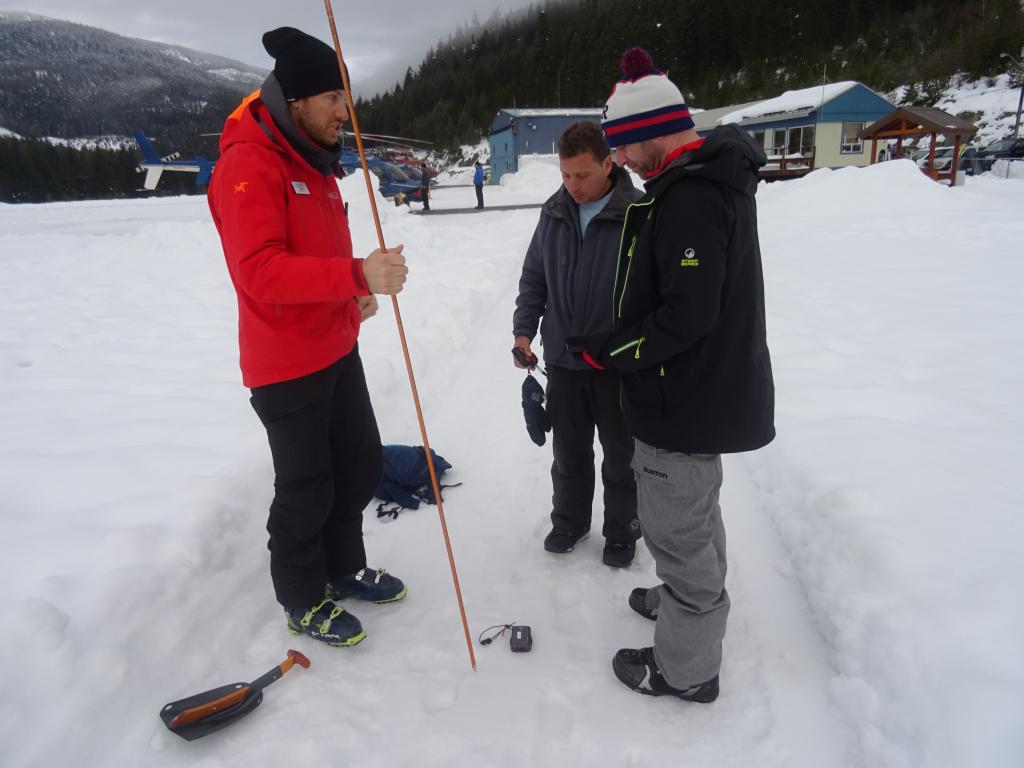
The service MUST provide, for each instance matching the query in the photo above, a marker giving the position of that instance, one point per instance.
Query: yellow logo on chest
(689, 259)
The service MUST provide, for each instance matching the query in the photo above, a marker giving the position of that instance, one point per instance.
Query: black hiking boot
(638, 602)
(561, 541)
(618, 554)
(638, 670)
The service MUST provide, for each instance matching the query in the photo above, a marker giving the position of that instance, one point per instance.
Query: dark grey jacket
(568, 280)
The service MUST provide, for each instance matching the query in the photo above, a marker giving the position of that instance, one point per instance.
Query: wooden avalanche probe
(206, 712)
(401, 333)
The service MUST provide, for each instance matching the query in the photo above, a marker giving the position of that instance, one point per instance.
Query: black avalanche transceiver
(521, 640)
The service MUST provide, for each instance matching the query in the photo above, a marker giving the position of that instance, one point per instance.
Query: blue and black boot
(377, 586)
(326, 622)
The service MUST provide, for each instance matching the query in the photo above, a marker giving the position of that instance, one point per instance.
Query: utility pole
(1019, 66)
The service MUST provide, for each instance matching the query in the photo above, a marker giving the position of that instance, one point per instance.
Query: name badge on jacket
(300, 188)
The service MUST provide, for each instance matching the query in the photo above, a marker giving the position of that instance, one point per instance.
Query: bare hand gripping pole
(401, 330)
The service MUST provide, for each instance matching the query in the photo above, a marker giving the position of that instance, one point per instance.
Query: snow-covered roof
(706, 119)
(803, 100)
(573, 112)
(8, 134)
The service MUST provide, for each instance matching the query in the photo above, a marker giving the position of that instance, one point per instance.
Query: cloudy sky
(379, 38)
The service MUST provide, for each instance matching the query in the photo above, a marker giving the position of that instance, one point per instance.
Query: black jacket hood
(728, 156)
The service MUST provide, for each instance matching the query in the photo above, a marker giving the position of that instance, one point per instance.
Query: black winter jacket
(689, 333)
(568, 279)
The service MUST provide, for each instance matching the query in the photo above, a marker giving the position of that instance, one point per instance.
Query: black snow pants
(577, 401)
(327, 462)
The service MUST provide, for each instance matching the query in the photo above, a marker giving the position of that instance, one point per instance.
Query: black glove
(537, 420)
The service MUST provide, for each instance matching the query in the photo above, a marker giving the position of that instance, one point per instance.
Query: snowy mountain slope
(872, 546)
(69, 80)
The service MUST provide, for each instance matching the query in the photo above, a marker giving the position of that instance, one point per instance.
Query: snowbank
(535, 172)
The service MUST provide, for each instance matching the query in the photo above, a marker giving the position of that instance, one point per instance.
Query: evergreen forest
(565, 54)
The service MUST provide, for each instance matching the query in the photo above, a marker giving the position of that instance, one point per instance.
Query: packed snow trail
(136, 481)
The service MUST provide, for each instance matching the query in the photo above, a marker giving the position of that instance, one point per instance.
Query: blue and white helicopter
(396, 181)
(153, 165)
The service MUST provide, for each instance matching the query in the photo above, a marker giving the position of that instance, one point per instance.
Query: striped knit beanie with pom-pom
(644, 104)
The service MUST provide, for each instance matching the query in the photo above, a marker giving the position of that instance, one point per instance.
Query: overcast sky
(379, 38)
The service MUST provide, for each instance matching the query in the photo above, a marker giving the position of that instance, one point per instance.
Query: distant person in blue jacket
(478, 182)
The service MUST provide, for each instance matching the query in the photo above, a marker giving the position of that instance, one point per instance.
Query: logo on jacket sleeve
(690, 259)
(241, 186)
(300, 188)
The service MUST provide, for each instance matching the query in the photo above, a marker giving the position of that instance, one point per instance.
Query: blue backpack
(405, 479)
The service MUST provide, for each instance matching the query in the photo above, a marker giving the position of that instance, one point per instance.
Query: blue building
(817, 127)
(517, 132)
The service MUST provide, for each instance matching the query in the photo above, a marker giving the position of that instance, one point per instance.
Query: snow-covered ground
(874, 546)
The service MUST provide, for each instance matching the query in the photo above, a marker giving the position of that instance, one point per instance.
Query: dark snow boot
(618, 554)
(561, 541)
(326, 622)
(638, 602)
(638, 670)
(377, 586)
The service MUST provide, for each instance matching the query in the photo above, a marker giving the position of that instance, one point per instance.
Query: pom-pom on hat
(644, 104)
(303, 65)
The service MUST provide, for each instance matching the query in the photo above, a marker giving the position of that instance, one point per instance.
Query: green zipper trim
(634, 343)
(629, 256)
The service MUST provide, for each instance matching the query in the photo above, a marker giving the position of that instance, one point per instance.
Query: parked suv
(1011, 148)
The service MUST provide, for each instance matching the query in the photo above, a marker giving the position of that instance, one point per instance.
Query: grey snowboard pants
(681, 521)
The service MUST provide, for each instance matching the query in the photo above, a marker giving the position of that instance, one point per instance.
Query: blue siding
(859, 104)
(503, 154)
(532, 136)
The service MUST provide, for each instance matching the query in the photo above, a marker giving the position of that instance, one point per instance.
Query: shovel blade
(212, 722)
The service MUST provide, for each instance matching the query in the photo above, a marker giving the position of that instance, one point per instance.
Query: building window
(800, 140)
(778, 141)
(852, 145)
(758, 137)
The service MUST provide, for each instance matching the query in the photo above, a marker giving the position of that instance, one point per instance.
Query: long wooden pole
(401, 331)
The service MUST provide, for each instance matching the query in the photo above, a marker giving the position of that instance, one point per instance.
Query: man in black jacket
(688, 338)
(567, 278)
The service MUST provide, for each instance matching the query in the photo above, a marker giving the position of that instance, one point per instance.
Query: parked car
(1004, 148)
(943, 159)
(394, 182)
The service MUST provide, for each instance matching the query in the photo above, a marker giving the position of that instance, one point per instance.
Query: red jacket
(288, 250)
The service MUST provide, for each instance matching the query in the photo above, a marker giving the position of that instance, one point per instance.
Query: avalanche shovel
(204, 713)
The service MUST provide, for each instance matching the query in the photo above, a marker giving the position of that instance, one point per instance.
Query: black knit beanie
(303, 65)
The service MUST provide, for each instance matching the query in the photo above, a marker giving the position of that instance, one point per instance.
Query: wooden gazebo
(917, 122)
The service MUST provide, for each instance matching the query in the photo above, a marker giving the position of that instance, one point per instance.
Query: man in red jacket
(301, 299)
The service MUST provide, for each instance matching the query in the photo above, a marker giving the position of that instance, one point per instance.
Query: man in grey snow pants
(689, 341)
